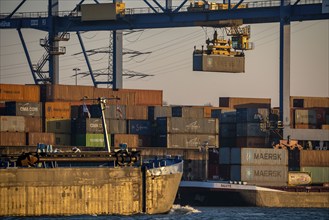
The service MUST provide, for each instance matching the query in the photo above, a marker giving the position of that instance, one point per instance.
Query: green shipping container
(318, 174)
(91, 140)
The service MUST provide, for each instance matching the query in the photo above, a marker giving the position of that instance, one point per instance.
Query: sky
(169, 59)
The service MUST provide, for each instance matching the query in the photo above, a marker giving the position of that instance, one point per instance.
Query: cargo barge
(225, 193)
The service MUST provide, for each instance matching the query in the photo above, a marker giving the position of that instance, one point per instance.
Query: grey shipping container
(12, 123)
(158, 111)
(58, 125)
(187, 112)
(193, 141)
(260, 174)
(259, 156)
(319, 175)
(89, 125)
(188, 125)
(24, 109)
(250, 129)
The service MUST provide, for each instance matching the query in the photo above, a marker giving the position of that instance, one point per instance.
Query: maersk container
(12, 123)
(228, 116)
(259, 156)
(159, 111)
(187, 111)
(91, 140)
(24, 109)
(250, 129)
(140, 127)
(263, 175)
(117, 126)
(192, 141)
(58, 125)
(319, 175)
(251, 115)
(224, 155)
(12, 138)
(187, 125)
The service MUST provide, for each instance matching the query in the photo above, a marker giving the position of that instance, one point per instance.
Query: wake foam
(178, 209)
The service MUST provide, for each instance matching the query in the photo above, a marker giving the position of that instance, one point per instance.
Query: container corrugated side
(24, 109)
(58, 125)
(12, 123)
(305, 116)
(23, 93)
(91, 140)
(63, 139)
(33, 124)
(243, 102)
(90, 125)
(260, 175)
(148, 97)
(130, 139)
(117, 126)
(188, 125)
(227, 130)
(250, 129)
(187, 111)
(191, 141)
(137, 112)
(252, 115)
(224, 155)
(319, 175)
(228, 116)
(12, 138)
(218, 63)
(159, 111)
(68, 92)
(314, 158)
(259, 156)
(252, 142)
(140, 127)
(33, 138)
(58, 110)
(309, 102)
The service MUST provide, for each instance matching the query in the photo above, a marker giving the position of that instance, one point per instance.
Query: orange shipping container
(126, 97)
(309, 102)
(68, 92)
(33, 124)
(148, 97)
(137, 112)
(130, 139)
(12, 138)
(314, 158)
(38, 137)
(24, 93)
(57, 110)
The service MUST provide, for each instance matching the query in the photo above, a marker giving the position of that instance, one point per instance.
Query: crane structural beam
(168, 19)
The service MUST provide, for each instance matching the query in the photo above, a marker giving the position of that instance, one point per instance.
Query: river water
(213, 213)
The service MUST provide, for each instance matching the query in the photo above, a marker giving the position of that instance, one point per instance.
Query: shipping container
(89, 125)
(211, 112)
(12, 138)
(224, 155)
(252, 115)
(58, 125)
(260, 174)
(314, 158)
(319, 175)
(259, 156)
(117, 126)
(213, 171)
(34, 138)
(111, 111)
(191, 141)
(227, 131)
(250, 129)
(33, 109)
(33, 124)
(90, 140)
(251, 142)
(2, 108)
(305, 126)
(213, 156)
(241, 102)
(224, 172)
(126, 97)
(305, 116)
(146, 141)
(308, 102)
(55, 93)
(58, 110)
(227, 142)
(130, 139)
(148, 97)
(228, 116)
(187, 125)
(187, 111)
(218, 63)
(137, 112)
(159, 111)
(63, 139)
(19, 93)
(12, 123)
(194, 170)
(140, 127)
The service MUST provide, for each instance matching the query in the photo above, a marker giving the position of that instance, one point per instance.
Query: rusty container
(58, 125)
(130, 139)
(33, 138)
(117, 126)
(57, 110)
(309, 102)
(148, 97)
(136, 112)
(55, 93)
(19, 93)
(24, 109)
(12, 123)
(12, 138)
(33, 124)
(314, 158)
